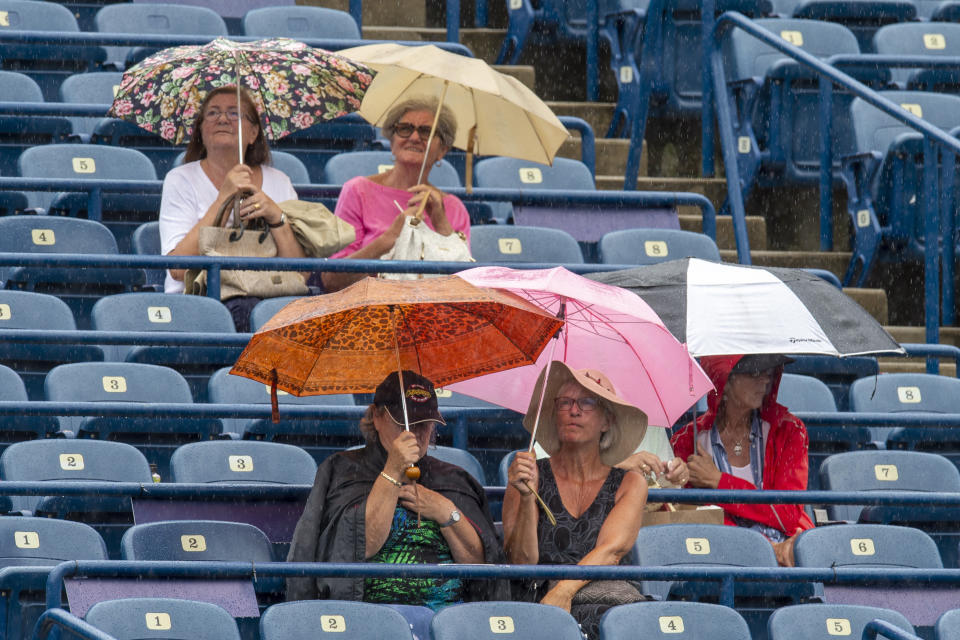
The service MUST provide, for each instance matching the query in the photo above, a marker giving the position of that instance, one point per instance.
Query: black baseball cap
(420, 396)
(755, 363)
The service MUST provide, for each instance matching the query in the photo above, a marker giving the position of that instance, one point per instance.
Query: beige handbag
(239, 241)
(417, 241)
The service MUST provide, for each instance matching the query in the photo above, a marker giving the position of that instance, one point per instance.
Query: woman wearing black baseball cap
(364, 509)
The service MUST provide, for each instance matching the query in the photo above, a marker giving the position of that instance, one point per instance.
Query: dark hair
(446, 125)
(256, 153)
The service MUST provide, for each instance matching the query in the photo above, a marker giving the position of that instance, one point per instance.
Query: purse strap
(238, 228)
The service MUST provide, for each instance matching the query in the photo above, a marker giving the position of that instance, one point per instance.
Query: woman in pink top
(376, 205)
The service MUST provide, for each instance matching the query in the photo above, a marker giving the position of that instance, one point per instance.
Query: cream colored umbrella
(496, 114)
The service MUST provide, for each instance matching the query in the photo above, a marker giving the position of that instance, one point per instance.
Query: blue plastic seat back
(514, 243)
(266, 309)
(115, 382)
(31, 310)
(19, 87)
(146, 242)
(92, 87)
(300, 22)
(221, 461)
(309, 619)
(50, 234)
(28, 15)
(672, 621)
(162, 619)
(47, 542)
(899, 392)
(919, 39)
(206, 540)
(351, 164)
(702, 544)
(863, 18)
(805, 393)
(447, 398)
(827, 621)
(500, 620)
(12, 388)
(290, 164)
(511, 173)
(948, 626)
(836, 373)
(461, 458)
(650, 246)
(504, 469)
(876, 131)
(866, 545)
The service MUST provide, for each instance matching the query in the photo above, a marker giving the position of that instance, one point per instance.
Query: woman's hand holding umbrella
(524, 476)
(703, 470)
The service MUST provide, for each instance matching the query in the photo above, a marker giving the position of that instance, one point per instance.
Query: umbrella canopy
(728, 309)
(293, 86)
(507, 118)
(347, 342)
(605, 328)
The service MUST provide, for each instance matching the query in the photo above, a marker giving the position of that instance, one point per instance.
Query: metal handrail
(57, 618)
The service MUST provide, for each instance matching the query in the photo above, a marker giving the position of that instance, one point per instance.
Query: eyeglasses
(215, 114)
(766, 373)
(586, 405)
(405, 130)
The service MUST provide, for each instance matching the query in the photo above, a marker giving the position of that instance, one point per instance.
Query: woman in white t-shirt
(210, 175)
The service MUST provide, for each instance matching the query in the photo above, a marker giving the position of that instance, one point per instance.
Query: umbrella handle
(543, 505)
(433, 129)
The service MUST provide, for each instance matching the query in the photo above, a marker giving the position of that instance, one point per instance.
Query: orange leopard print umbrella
(347, 342)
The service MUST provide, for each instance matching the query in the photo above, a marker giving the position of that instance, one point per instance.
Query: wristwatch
(283, 220)
(454, 519)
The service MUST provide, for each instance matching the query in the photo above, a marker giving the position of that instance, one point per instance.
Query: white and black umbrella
(726, 308)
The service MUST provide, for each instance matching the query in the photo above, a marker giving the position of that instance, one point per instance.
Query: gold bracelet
(391, 480)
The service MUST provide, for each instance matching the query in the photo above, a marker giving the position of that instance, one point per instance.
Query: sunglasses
(405, 130)
(586, 405)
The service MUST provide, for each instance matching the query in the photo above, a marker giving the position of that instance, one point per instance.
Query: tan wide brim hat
(630, 423)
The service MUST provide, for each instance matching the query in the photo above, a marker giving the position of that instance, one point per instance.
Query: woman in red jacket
(746, 440)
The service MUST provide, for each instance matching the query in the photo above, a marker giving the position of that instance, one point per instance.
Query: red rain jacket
(785, 457)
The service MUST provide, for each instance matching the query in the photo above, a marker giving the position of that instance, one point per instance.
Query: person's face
(747, 390)
(410, 150)
(222, 120)
(580, 418)
(388, 430)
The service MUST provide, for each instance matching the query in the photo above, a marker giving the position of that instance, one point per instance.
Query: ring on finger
(256, 206)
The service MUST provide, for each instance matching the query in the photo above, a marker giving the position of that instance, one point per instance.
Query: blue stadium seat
(226, 461)
(836, 373)
(300, 22)
(266, 309)
(31, 310)
(418, 617)
(146, 242)
(171, 313)
(948, 626)
(79, 288)
(289, 163)
(673, 621)
(504, 470)
(122, 212)
(514, 243)
(351, 164)
(487, 439)
(805, 393)
(93, 87)
(884, 179)
(650, 246)
(309, 619)
(158, 18)
(863, 18)
(827, 621)
(499, 620)
(28, 548)
(866, 545)
(938, 10)
(511, 173)
(460, 457)
(20, 132)
(20, 427)
(162, 619)
(921, 39)
(48, 64)
(130, 382)
(322, 142)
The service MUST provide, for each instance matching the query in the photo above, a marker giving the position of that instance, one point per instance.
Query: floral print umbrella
(293, 86)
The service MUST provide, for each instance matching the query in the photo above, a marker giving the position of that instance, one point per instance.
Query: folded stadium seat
(225, 461)
(171, 313)
(300, 22)
(151, 19)
(30, 310)
(356, 620)
(14, 428)
(922, 39)
(78, 460)
(19, 132)
(121, 212)
(908, 392)
(884, 179)
(806, 393)
(48, 64)
(162, 619)
(669, 620)
(29, 547)
(76, 286)
(499, 620)
(775, 102)
(863, 17)
(318, 436)
(836, 373)
(516, 244)
(92, 87)
(948, 626)
(146, 242)
(897, 471)
(679, 545)
(827, 621)
(650, 246)
(156, 437)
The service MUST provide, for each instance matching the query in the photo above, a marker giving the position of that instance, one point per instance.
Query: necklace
(738, 447)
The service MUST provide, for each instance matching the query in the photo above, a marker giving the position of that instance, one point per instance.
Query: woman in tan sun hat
(587, 429)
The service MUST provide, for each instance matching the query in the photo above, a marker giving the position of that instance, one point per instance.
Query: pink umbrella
(607, 328)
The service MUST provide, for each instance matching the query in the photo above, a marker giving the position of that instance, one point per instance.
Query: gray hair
(611, 436)
(446, 125)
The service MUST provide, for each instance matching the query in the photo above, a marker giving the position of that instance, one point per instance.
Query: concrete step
(756, 229)
(485, 43)
(522, 72)
(611, 154)
(948, 335)
(598, 114)
(873, 300)
(834, 261)
(406, 13)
